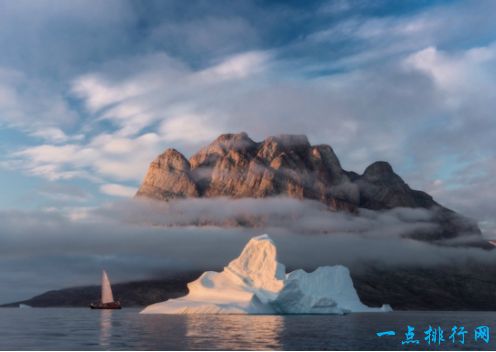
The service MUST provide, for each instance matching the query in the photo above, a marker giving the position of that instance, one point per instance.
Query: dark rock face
(288, 165)
(457, 286)
(380, 188)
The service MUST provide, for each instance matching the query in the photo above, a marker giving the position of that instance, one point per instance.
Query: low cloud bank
(303, 217)
(135, 240)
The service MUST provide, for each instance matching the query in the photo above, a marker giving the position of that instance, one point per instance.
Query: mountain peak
(221, 146)
(168, 177)
(234, 140)
(230, 136)
(289, 140)
(379, 168)
(171, 158)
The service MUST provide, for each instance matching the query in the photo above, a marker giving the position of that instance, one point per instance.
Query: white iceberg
(256, 283)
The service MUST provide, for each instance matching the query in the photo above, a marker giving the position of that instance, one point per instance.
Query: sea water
(85, 329)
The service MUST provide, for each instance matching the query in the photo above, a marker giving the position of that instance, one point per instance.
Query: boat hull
(111, 305)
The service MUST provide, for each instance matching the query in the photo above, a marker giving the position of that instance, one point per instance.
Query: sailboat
(107, 301)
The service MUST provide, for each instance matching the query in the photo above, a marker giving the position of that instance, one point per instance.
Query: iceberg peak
(258, 267)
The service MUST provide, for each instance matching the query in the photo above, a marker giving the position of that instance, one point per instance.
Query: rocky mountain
(288, 165)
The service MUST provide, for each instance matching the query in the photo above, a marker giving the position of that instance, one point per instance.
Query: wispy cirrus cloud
(104, 156)
(117, 190)
(137, 99)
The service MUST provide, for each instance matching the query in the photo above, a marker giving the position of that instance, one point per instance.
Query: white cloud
(117, 190)
(53, 172)
(57, 154)
(134, 93)
(459, 72)
(98, 93)
(137, 99)
(55, 135)
(377, 30)
(237, 67)
(104, 156)
(189, 128)
(111, 144)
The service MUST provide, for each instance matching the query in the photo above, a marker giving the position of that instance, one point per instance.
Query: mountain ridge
(235, 166)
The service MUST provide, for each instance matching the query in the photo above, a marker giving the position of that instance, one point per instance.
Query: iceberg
(256, 283)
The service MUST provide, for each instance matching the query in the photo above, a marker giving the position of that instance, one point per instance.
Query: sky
(91, 91)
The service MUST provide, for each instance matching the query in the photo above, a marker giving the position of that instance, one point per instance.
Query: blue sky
(92, 91)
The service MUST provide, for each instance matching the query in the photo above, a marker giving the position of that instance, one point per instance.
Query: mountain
(288, 165)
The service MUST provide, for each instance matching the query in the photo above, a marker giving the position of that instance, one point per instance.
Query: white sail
(107, 296)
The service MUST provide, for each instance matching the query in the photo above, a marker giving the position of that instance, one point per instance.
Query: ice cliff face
(327, 290)
(256, 283)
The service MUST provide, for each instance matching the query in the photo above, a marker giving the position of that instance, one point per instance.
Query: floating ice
(256, 283)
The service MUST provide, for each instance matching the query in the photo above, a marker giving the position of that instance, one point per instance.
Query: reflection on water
(234, 332)
(126, 329)
(105, 327)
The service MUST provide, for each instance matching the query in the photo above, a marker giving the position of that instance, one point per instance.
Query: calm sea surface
(85, 329)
